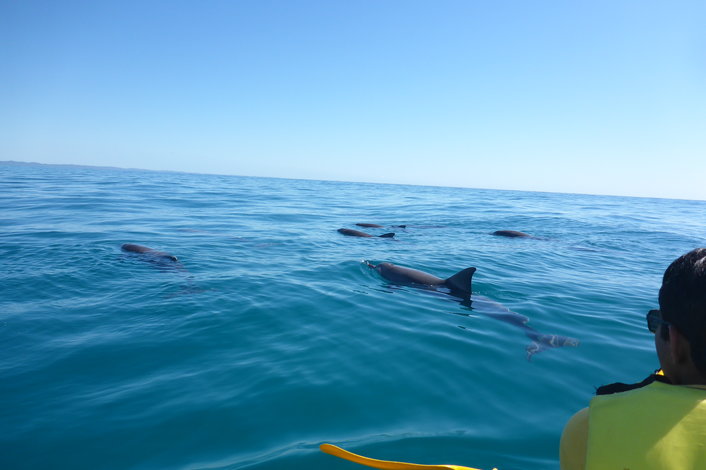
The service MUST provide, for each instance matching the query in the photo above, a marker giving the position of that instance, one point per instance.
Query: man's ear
(679, 346)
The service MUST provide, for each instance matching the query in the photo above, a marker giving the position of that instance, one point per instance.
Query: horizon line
(110, 167)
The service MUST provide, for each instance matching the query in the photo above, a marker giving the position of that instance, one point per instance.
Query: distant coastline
(72, 165)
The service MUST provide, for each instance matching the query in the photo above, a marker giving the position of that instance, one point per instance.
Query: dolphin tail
(541, 342)
(387, 235)
(461, 282)
(534, 348)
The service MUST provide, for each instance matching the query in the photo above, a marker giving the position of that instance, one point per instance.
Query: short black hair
(682, 300)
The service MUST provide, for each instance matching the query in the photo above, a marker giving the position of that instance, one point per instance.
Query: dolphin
(511, 234)
(164, 261)
(357, 233)
(370, 225)
(378, 226)
(459, 285)
(154, 254)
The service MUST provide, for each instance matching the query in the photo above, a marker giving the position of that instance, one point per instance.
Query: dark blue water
(270, 336)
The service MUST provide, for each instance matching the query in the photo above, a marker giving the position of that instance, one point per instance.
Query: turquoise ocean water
(270, 336)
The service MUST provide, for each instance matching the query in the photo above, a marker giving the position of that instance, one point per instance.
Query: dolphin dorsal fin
(461, 282)
(387, 235)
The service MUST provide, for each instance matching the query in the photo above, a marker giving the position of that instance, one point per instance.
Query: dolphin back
(369, 225)
(406, 276)
(511, 234)
(353, 233)
(460, 283)
(131, 247)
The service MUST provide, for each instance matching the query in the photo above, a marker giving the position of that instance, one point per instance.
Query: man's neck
(688, 376)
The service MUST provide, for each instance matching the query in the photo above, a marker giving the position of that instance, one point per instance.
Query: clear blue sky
(601, 97)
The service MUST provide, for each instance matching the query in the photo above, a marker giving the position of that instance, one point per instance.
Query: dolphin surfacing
(459, 284)
(132, 248)
(357, 233)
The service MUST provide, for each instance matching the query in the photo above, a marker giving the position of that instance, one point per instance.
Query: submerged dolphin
(459, 285)
(132, 248)
(358, 233)
(540, 341)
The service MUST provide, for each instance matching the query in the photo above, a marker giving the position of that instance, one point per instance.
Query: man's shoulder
(574, 441)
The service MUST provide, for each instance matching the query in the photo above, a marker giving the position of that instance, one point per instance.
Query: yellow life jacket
(658, 427)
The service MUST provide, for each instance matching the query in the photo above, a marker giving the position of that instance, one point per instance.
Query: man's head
(682, 300)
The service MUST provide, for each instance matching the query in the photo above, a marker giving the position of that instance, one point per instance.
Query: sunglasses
(654, 320)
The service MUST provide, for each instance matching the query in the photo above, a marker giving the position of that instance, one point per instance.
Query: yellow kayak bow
(386, 464)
